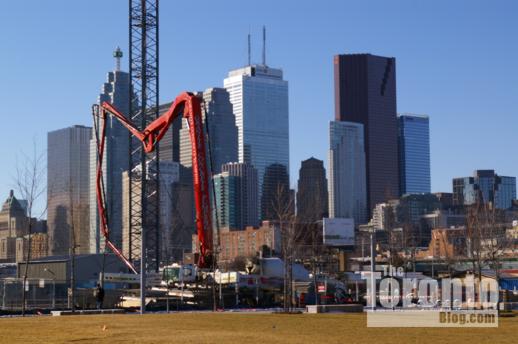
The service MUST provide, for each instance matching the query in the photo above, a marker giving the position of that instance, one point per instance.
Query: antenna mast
(249, 50)
(264, 45)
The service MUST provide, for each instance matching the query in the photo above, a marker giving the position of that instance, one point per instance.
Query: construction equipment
(190, 106)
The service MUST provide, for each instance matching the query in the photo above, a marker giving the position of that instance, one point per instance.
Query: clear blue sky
(457, 61)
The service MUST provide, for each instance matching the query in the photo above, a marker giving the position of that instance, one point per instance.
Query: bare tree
(486, 239)
(283, 210)
(30, 184)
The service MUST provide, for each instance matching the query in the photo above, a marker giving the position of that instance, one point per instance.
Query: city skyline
(415, 70)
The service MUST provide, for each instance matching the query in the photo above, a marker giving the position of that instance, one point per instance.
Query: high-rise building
(222, 128)
(170, 231)
(485, 186)
(414, 154)
(365, 92)
(277, 199)
(68, 208)
(116, 90)
(249, 196)
(347, 184)
(312, 196)
(228, 201)
(259, 96)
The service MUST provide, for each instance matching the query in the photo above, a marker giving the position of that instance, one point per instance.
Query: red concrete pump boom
(150, 136)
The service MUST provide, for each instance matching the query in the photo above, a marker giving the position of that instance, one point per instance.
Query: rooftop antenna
(249, 50)
(118, 55)
(264, 45)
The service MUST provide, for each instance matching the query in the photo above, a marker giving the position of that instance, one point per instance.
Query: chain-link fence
(40, 294)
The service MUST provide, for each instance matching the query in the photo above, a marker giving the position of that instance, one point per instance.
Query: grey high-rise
(68, 168)
(248, 193)
(365, 92)
(347, 185)
(116, 160)
(312, 196)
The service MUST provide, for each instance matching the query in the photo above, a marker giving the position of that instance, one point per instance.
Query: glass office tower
(347, 177)
(485, 186)
(68, 189)
(259, 96)
(365, 92)
(414, 154)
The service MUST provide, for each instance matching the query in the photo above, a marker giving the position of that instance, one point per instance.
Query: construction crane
(190, 106)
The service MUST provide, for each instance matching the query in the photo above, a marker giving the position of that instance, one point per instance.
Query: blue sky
(457, 61)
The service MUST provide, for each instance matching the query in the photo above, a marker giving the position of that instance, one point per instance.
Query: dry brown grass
(236, 328)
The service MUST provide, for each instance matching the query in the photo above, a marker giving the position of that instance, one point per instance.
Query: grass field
(236, 328)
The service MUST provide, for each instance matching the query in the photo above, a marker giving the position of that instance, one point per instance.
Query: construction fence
(47, 294)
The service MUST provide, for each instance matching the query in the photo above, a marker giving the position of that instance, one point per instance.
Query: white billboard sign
(338, 232)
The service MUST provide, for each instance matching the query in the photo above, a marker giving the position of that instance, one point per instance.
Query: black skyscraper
(365, 92)
(312, 202)
(276, 200)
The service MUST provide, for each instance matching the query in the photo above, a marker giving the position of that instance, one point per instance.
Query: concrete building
(39, 246)
(8, 249)
(365, 92)
(259, 96)
(246, 243)
(312, 195)
(116, 90)
(383, 217)
(447, 243)
(485, 186)
(13, 218)
(248, 192)
(68, 208)
(347, 176)
(414, 154)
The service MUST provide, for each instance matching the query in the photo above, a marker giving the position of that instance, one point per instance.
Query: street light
(369, 228)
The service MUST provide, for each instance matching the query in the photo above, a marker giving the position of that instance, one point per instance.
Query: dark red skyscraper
(365, 92)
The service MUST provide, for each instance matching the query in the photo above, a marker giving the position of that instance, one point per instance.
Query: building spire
(118, 55)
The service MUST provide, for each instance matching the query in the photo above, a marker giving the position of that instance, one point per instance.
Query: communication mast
(144, 167)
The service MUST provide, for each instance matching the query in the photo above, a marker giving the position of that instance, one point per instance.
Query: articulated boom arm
(150, 136)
